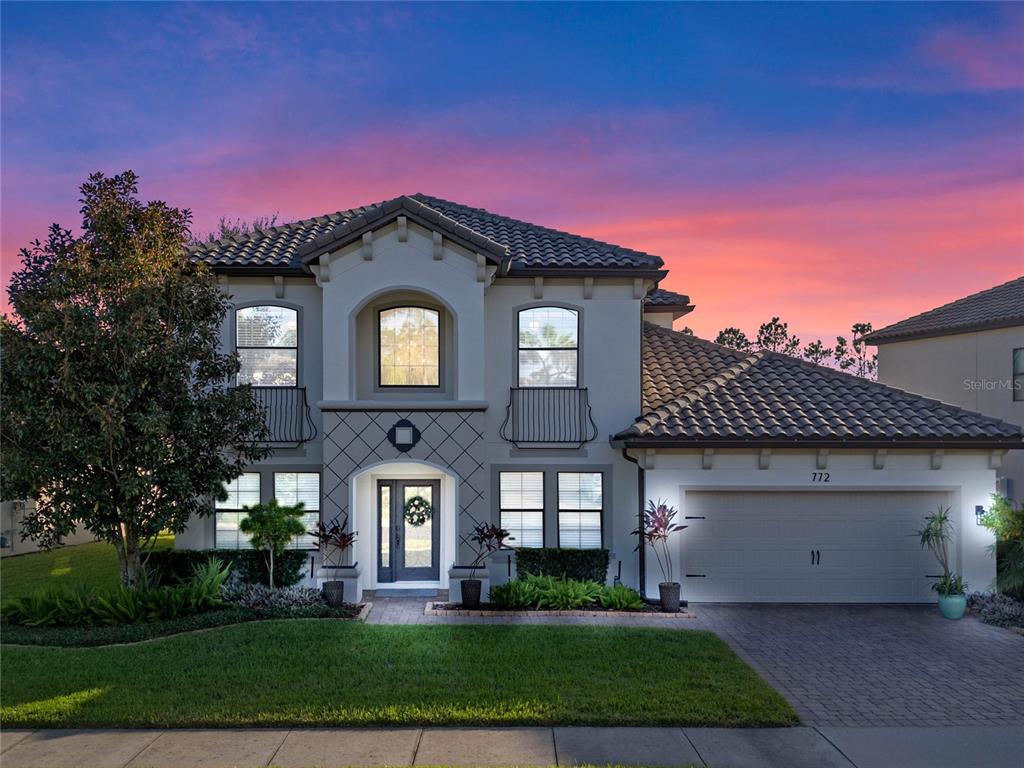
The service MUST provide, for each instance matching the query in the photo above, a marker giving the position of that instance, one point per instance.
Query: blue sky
(777, 156)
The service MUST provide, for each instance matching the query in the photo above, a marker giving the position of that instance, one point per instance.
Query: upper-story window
(1018, 374)
(267, 340)
(410, 347)
(548, 347)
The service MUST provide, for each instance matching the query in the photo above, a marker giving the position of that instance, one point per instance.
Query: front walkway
(978, 747)
(840, 665)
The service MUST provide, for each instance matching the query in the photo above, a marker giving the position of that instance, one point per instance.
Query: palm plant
(935, 535)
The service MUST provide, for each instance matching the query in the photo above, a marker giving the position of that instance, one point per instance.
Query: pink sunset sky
(826, 164)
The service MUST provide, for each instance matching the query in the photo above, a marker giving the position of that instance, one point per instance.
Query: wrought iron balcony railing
(538, 416)
(287, 414)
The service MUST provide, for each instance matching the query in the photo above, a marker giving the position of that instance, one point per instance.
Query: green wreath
(417, 511)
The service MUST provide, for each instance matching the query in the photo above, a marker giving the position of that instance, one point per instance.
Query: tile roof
(529, 246)
(659, 297)
(697, 392)
(999, 307)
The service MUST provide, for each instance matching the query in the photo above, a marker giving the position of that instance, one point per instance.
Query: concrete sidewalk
(841, 747)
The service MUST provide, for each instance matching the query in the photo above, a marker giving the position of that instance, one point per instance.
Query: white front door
(803, 546)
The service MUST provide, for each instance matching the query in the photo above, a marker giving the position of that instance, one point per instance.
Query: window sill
(402, 405)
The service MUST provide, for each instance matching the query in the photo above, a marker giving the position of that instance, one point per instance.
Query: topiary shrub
(577, 564)
(172, 565)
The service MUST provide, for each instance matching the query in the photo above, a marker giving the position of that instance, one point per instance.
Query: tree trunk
(129, 555)
(271, 567)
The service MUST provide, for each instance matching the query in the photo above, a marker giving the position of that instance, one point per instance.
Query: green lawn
(94, 564)
(322, 672)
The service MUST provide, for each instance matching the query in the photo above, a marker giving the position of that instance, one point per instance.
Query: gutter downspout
(641, 492)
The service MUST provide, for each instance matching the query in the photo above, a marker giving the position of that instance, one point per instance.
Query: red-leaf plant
(334, 537)
(486, 538)
(659, 525)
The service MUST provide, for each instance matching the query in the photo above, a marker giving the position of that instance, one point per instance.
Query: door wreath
(417, 511)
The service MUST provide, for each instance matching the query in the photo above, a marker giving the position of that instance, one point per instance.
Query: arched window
(410, 347)
(267, 341)
(548, 347)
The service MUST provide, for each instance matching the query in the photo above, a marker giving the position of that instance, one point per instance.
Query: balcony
(538, 417)
(287, 414)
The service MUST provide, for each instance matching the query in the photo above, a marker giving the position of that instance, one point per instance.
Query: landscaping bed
(91, 636)
(344, 673)
(491, 609)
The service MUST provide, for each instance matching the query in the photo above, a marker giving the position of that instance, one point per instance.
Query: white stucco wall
(971, 370)
(302, 294)
(964, 474)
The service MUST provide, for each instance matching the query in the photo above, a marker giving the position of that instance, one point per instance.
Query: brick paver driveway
(878, 665)
(841, 665)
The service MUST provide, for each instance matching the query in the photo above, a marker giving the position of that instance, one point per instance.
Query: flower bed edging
(439, 609)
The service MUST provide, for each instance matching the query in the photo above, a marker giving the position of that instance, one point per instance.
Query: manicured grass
(93, 564)
(312, 672)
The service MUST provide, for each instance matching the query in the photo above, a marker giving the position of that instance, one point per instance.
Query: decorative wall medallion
(403, 435)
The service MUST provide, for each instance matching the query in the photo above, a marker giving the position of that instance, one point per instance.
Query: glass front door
(407, 549)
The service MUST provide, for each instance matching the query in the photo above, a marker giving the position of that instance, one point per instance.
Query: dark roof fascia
(262, 270)
(517, 269)
(653, 309)
(881, 337)
(495, 252)
(988, 443)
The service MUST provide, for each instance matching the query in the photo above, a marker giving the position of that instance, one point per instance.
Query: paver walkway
(841, 665)
(963, 747)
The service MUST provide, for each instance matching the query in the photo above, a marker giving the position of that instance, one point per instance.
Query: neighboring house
(11, 515)
(515, 374)
(970, 353)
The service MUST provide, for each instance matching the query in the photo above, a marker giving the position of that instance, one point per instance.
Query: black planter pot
(471, 593)
(334, 593)
(669, 596)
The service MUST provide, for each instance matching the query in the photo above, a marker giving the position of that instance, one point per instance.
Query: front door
(408, 551)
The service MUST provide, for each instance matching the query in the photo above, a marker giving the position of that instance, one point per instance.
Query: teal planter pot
(952, 606)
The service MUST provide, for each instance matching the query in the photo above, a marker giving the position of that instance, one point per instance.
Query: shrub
(260, 597)
(1006, 521)
(121, 605)
(578, 564)
(619, 597)
(516, 595)
(996, 609)
(564, 594)
(271, 527)
(249, 565)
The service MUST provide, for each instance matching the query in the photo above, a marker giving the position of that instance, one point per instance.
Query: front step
(404, 593)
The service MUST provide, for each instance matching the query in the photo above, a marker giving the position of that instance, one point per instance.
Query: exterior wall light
(979, 513)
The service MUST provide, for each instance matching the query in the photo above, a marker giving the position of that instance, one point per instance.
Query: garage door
(823, 547)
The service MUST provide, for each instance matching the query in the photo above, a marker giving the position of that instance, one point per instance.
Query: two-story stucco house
(969, 352)
(520, 375)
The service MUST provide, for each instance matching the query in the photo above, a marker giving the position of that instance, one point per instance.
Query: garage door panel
(760, 547)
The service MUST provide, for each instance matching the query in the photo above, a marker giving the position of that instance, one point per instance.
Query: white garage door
(822, 547)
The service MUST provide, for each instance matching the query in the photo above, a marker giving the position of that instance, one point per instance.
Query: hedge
(178, 564)
(578, 564)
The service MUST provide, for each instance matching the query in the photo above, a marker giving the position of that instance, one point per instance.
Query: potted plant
(659, 525)
(486, 538)
(950, 587)
(334, 540)
(270, 527)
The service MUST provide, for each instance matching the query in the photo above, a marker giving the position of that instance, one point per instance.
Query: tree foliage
(117, 412)
(236, 228)
(271, 527)
(853, 356)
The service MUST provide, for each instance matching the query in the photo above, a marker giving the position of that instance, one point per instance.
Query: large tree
(117, 409)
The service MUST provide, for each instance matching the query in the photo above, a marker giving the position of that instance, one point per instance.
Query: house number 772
(819, 477)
